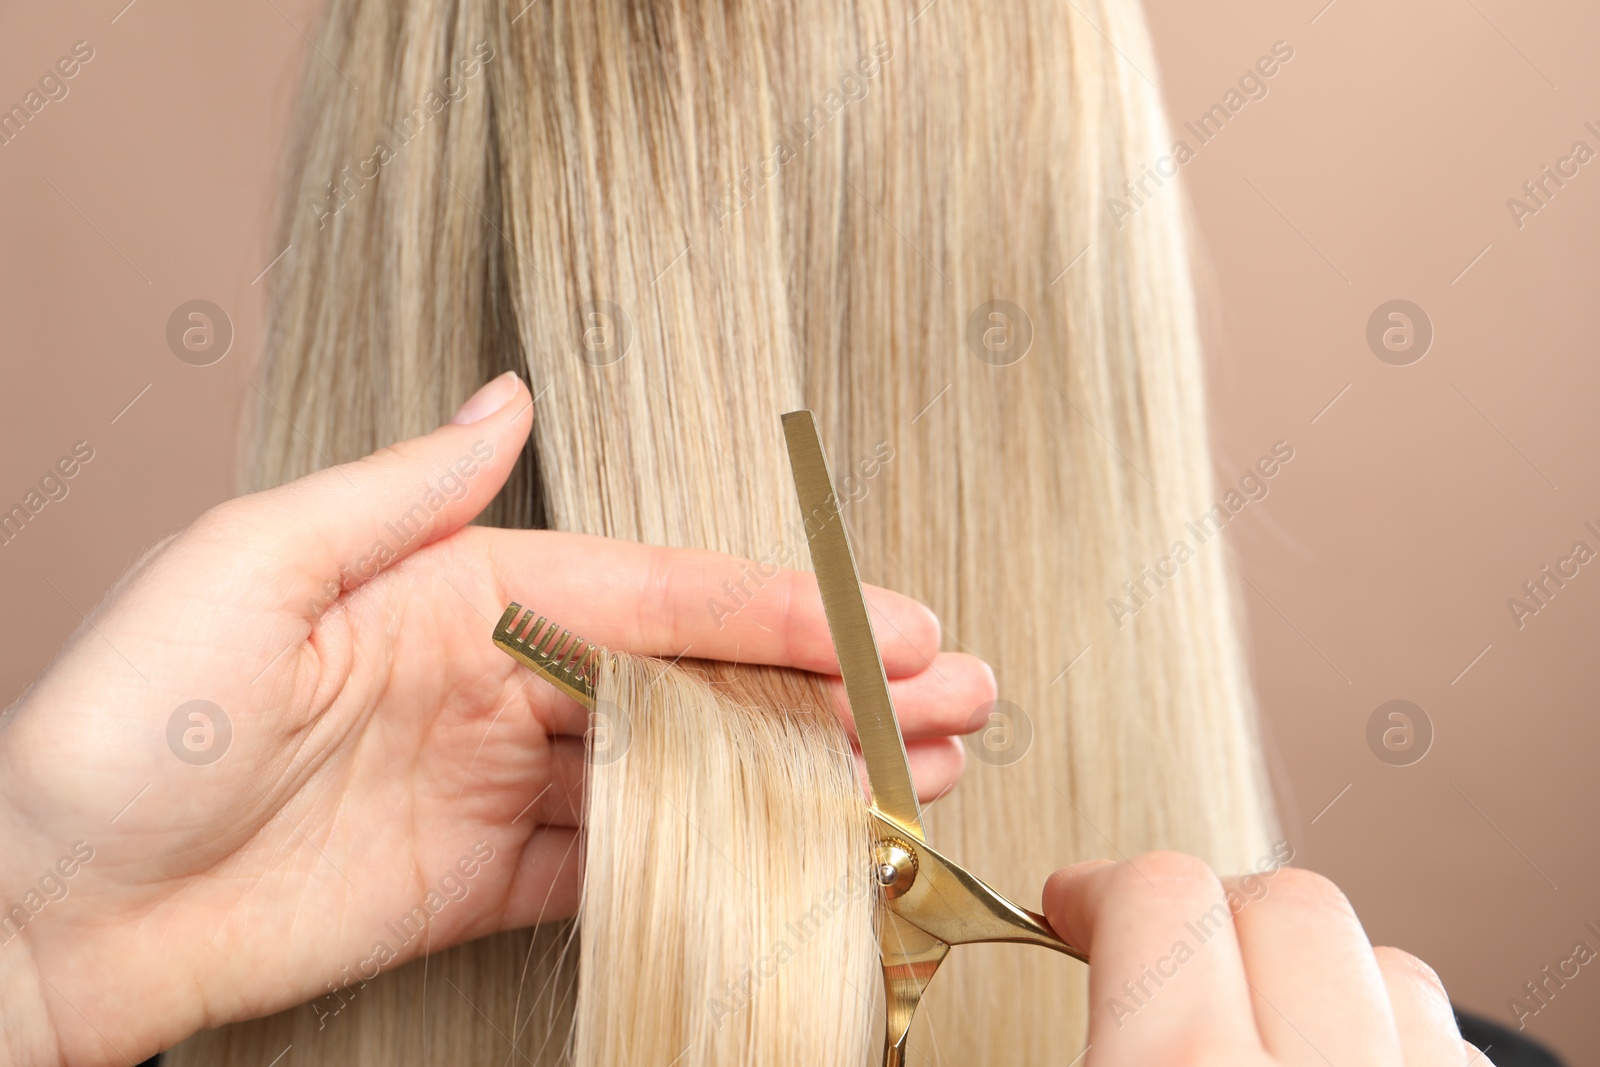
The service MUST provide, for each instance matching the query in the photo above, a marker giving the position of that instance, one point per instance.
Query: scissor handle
(943, 899)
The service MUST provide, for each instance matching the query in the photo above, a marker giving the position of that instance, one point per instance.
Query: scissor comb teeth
(560, 656)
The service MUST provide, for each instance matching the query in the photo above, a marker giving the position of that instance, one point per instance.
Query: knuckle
(228, 548)
(1403, 966)
(1174, 867)
(924, 631)
(213, 520)
(1171, 872)
(786, 602)
(1310, 891)
(227, 523)
(984, 686)
(221, 515)
(396, 453)
(961, 692)
(956, 757)
(655, 588)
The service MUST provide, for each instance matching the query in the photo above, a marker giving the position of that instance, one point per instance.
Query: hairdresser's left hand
(367, 768)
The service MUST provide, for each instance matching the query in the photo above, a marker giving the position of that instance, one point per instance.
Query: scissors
(927, 901)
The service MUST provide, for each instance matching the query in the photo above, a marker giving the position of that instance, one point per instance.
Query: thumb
(1070, 903)
(346, 524)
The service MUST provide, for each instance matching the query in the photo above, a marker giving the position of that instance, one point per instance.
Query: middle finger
(1317, 989)
(940, 701)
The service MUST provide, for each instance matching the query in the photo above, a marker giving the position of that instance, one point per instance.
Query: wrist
(27, 1035)
(27, 1031)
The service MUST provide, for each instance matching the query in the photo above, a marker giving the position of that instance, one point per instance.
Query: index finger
(671, 602)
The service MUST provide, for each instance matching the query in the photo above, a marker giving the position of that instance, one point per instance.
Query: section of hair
(727, 907)
(570, 215)
(498, 1000)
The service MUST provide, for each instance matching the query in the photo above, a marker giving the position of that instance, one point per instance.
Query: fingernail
(488, 400)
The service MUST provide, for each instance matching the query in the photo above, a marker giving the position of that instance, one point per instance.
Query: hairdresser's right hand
(1270, 969)
(365, 755)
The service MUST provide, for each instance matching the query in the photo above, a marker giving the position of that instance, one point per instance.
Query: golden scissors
(928, 902)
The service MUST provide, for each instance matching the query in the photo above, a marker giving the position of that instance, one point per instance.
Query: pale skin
(1290, 980)
(378, 738)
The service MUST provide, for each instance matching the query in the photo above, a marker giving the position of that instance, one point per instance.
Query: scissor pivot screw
(895, 867)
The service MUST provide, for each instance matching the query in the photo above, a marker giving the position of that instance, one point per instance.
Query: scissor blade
(862, 668)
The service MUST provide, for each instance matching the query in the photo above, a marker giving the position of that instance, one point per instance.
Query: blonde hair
(681, 219)
(721, 788)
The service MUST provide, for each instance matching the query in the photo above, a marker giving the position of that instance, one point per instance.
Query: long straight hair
(680, 219)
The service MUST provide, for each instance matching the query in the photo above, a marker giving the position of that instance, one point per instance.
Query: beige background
(1419, 499)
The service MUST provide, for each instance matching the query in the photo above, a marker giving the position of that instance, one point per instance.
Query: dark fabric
(1503, 1046)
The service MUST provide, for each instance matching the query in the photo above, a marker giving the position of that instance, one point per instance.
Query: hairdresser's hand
(1267, 969)
(371, 778)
